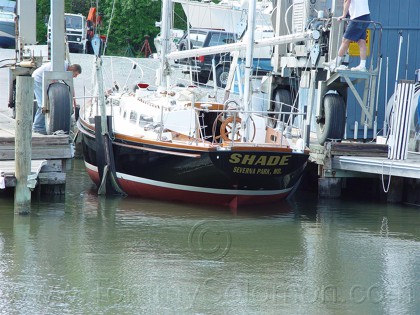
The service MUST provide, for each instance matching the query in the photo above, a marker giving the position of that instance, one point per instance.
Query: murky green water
(82, 254)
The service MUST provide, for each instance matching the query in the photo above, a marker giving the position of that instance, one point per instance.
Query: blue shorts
(357, 30)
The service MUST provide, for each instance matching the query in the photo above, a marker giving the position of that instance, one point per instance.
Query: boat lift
(366, 99)
(300, 68)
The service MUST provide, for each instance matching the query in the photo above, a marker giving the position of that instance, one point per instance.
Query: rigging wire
(109, 26)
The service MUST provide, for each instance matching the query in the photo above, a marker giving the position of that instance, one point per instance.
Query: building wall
(395, 16)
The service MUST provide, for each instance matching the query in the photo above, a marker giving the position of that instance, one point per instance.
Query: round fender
(59, 114)
(331, 125)
(282, 102)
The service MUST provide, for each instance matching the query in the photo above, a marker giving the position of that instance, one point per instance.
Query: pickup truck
(201, 67)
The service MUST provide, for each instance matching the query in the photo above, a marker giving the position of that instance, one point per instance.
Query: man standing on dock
(355, 32)
(39, 120)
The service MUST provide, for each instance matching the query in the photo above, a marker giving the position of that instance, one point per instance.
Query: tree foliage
(125, 22)
(42, 11)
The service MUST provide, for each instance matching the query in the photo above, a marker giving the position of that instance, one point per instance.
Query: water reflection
(90, 254)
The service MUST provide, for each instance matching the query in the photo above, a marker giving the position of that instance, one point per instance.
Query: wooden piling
(23, 140)
(329, 187)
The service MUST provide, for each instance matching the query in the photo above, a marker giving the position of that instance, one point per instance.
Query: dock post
(396, 190)
(329, 187)
(23, 140)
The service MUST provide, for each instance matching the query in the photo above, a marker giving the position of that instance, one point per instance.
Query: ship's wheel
(231, 127)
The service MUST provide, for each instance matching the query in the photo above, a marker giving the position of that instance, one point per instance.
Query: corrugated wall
(395, 16)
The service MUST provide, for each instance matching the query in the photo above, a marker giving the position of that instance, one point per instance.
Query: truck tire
(222, 75)
(282, 103)
(183, 45)
(331, 124)
(59, 114)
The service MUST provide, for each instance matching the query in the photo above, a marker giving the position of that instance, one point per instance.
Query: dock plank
(49, 172)
(52, 178)
(40, 153)
(359, 149)
(38, 140)
(409, 168)
(8, 167)
(43, 147)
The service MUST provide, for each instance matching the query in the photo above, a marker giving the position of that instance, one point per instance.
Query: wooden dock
(49, 158)
(355, 159)
(337, 161)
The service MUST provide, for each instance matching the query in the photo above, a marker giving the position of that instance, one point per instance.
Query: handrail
(247, 111)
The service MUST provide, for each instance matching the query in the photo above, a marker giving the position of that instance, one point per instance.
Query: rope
(109, 26)
(389, 177)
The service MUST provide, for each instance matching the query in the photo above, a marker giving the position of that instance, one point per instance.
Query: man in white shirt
(39, 120)
(355, 32)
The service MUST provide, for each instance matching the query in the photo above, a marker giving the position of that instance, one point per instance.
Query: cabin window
(133, 117)
(115, 102)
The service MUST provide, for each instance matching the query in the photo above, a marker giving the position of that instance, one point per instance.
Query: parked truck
(76, 32)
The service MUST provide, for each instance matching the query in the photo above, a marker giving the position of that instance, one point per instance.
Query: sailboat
(178, 143)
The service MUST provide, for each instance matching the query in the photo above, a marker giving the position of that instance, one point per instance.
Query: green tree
(130, 22)
(42, 12)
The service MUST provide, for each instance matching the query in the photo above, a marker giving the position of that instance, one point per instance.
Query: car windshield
(197, 40)
(221, 39)
(73, 22)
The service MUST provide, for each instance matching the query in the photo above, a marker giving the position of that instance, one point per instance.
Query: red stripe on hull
(94, 176)
(171, 194)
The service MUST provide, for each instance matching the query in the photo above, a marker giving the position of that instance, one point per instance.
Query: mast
(164, 28)
(249, 52)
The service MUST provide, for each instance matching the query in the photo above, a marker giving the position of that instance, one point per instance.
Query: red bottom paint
(136, 189)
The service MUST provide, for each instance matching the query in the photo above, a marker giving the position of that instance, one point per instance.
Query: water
(84, 254)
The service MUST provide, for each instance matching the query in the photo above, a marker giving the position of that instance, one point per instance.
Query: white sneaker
(342, 67)
(331, 65)
(359, 68)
